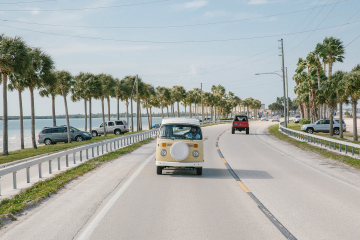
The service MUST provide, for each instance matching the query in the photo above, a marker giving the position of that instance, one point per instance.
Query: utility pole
(283, 75)
(137, 104)
(287, 96)
(202, 106)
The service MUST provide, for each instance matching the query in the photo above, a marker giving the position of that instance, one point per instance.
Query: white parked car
(264, 118)
(276, 118)
(323, 125)
(297, 119)
(115, 127)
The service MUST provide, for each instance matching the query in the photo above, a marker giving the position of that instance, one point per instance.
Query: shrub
(305, 121)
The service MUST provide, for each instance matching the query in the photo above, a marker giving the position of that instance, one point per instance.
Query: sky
(176, 42)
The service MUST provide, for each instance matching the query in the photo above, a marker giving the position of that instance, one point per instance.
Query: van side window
(56, 130)
(48, 130)
(119, 123)
(110, 123)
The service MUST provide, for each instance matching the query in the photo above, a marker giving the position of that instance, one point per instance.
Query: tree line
(319, 93)
(23, 67)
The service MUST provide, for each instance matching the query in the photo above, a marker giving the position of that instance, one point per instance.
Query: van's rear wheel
(94, 133)
(159, 170)
(47, 141)
(198, 171)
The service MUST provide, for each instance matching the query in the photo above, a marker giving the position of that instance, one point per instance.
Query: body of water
(14, 128)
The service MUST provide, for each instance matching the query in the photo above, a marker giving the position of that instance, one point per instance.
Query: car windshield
(74, 129)
(180, 132)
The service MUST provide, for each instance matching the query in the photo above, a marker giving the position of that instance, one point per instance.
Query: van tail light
(344, 124)
(39, 136)
(124, 127)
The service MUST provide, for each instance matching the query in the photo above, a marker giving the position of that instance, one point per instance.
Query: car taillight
(124, 127)
(39, 136)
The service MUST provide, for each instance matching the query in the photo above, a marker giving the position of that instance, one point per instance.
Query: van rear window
(45, 131)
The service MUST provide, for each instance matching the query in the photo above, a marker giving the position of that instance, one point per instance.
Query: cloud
(218, 13)
(191, 6)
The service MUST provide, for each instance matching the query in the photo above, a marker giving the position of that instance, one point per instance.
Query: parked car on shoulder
(240, 123)
(179, 145)
(52, 135)
(323, 125)
(264, 118)
(112, 127)
(157, 125)
(276, 118)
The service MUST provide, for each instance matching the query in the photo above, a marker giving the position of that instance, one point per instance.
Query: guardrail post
(321, 142)
(345, 149)
(92, 152)
(0, 186)
(102, 149)
(80, 156)
(14, 180)
(74, 158)
(50, 167)
(127, 141)
(118, 144)
(325, 143)
(107, 148)
(87, 153)
(110, 147)
(59, 163)
(329, 144)
(40, 171)
(67, 160)
(352, 149)
(97, 149)
(28, 174)
(340, 147)
(334, 145)
(130, 140)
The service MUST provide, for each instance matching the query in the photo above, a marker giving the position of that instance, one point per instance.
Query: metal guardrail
(114, 143)
(323, 141)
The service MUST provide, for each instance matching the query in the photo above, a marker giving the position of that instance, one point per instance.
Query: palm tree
(78, 91)
(127, 88)
(50, 89)
(153, 102)
(352, 89)
(334, 50)
(17, 83)
(107, 86)
(148, 92)
(65, 82)
(179, 94)
(247, 103)
(93, 89)
(119, 92)
(38, 75)
(338, 77)
(13, 59)
(162, 94)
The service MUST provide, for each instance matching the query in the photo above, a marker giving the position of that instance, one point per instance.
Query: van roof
(191, 121)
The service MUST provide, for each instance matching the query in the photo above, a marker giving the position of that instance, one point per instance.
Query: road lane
(177, 205)
(312, 197)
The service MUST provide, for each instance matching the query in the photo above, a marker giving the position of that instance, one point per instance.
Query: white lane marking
(325, 174)
(86, 233)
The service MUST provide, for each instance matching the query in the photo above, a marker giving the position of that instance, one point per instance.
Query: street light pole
(287, 96)
(202, 106)
(283, 75)
(137, 104)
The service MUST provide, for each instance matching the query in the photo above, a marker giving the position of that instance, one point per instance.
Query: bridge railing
(112, 144)
(322, 141)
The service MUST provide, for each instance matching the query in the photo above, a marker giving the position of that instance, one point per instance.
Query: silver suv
(323, 125)
(52, 135)
(115, 127)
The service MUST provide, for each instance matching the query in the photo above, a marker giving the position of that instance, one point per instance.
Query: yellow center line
(243, 187)
(223, 160)
(217, 147)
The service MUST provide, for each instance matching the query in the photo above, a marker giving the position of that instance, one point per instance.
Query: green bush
(226, 118)
(305, 121)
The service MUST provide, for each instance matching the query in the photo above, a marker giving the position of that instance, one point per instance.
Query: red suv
(240, 123)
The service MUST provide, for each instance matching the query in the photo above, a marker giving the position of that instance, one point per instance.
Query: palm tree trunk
(190, 114)
(5, 116)
(103, 115)
(127, 110)
(185, 110)
(132, 116)
(21, 122)
(67, 118)
(108, 102)
(354, 103)
(331, 120)
(90, 125)
(167, 111)
(147, 114)
(341, 120)
(117, 107)
(150, 117)
(178, 109)
(162, 111)
(85, 114)
(32, 118)
(53, 110)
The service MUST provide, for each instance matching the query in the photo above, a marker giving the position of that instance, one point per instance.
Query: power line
(168, 26)
(87, 8)
(175, 42)
(353, 41)
(30, 2)
(347, 20)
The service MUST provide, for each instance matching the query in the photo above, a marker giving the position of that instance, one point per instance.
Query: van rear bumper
(179, 164)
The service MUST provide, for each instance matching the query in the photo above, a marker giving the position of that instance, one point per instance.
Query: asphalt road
(311, 197)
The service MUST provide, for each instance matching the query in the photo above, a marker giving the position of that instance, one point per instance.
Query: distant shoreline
(97, 115)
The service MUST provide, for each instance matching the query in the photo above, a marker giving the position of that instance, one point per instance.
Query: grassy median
(30, 152)
(44, 189)
(274, 130)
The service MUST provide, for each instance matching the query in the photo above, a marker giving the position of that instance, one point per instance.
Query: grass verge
(274, 130)
(30, 152)
(43, 189)
(211, 124)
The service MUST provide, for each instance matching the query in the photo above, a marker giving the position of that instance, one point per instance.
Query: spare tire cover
(179, 151)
